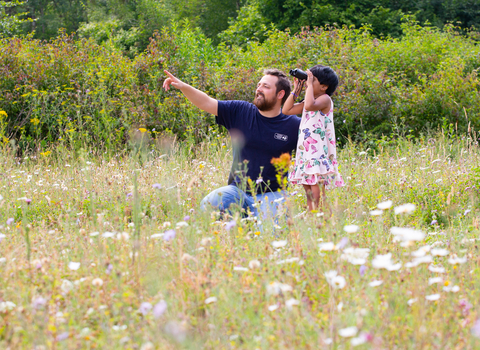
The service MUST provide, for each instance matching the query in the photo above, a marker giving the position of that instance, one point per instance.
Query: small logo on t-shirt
(281, 137)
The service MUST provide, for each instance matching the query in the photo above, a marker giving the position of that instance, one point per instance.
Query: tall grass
(219, 282)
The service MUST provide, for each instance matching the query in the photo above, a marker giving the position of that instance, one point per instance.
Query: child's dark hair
(326, 76)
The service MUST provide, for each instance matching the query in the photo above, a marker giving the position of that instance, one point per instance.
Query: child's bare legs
(313, 196)
(314, 193)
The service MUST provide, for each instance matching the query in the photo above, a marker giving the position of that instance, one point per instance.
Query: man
(259, 132)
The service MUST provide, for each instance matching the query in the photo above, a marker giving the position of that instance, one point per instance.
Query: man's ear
(280, 94)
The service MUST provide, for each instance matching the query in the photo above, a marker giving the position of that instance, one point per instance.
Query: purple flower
(293, 193)
(467, 211)
(157, 186)
(169, 235)
(186, 218)
(129, 195)
(343, 243)
(62, 336)
(476, 329)
(109, 269)
(145, 308)
(229, 225)
(10, 221)
(159, 308)
(28, 200)
(362, 270)
(434, 222)
(259, 180)
(39, 302)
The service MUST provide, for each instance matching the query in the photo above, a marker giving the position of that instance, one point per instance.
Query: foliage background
(74, 91)
(81, 74)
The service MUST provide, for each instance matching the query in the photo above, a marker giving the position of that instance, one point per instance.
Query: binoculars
(299, 74)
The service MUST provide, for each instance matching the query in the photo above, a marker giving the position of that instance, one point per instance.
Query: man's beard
(263, 104)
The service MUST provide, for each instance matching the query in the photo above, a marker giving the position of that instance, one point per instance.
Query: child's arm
(290, 107)
(321, 103)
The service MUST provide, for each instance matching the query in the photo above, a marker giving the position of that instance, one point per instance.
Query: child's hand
(296, 83)
(309, 78)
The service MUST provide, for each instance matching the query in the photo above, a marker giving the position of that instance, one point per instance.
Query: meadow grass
(115, 253)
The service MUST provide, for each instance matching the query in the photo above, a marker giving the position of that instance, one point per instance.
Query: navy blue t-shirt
(256, 140)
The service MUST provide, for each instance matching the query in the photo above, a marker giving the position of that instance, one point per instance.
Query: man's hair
(326, 76)
(283, 83)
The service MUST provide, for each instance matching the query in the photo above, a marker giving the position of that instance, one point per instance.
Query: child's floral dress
(316, 156)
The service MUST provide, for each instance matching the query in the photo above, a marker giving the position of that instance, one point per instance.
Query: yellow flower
(35, 121)
(142, 130)
(3, 113)
(46, 153)
(446, 283)
(257, 233)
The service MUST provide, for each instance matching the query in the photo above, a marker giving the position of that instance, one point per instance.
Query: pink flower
(145, 308)
(159, 309)
(476, 329)
(39, 302)
(466, 306)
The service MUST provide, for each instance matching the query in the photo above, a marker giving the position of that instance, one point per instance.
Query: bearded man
(259, 132)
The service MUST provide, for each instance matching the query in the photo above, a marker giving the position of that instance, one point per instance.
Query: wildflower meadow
(106, 251)
(103, 244)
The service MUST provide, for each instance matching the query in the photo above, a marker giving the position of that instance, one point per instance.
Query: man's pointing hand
(171, 80)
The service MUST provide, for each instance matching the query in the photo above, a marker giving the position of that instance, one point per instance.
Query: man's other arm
(195, 96)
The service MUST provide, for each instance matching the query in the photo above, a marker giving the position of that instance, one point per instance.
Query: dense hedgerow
(76, 93)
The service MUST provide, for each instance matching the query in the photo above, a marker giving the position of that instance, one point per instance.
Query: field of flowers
(114, 253)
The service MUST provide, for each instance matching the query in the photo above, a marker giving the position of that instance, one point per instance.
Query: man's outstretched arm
(195, 96)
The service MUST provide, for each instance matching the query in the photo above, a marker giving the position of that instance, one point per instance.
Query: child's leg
(313, 196)
(308, 192)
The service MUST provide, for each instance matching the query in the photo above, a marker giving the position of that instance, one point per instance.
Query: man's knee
(222, 198)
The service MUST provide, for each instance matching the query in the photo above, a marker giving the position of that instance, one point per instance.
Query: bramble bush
(77, 93)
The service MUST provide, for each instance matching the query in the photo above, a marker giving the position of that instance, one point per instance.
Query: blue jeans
(266, 204)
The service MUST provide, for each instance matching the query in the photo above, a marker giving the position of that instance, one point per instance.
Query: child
(316, 166)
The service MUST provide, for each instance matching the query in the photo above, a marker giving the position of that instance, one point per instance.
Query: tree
(10, 20)
(383, 15)
(249, 25)
(216, 14)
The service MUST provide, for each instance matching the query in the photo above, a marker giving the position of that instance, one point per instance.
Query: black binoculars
(299, 74)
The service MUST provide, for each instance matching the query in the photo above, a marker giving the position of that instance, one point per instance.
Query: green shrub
(79, 93)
